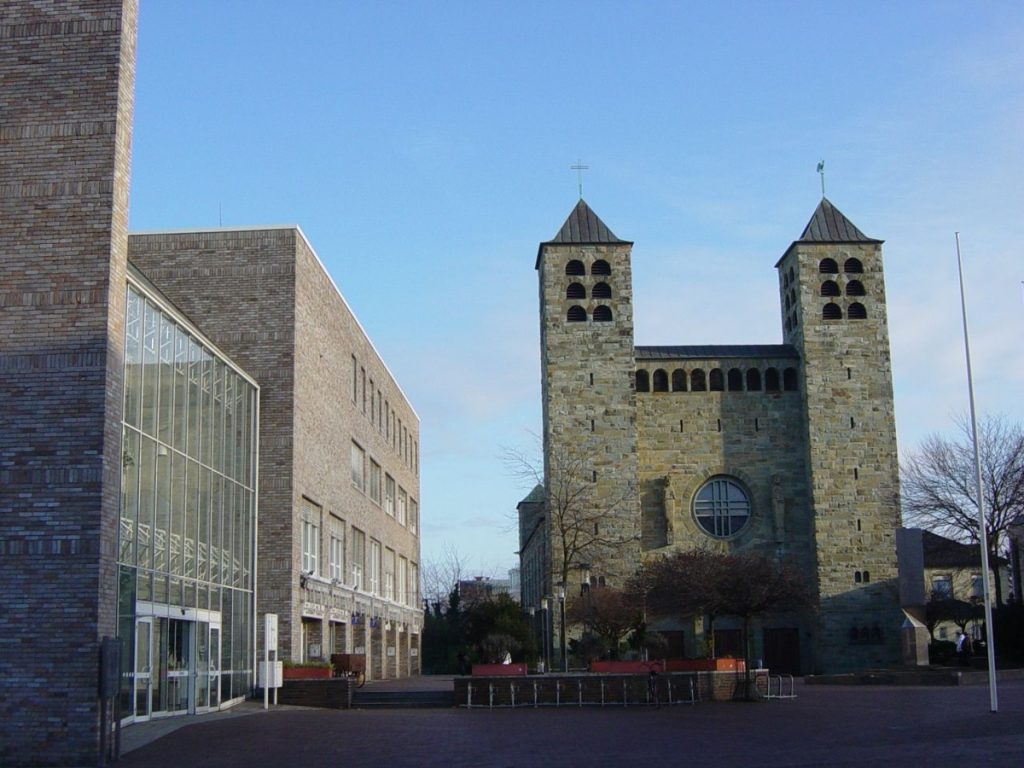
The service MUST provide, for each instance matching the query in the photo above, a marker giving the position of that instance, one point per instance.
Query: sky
(424, 148)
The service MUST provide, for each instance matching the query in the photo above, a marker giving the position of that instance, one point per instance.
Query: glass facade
(188, 517)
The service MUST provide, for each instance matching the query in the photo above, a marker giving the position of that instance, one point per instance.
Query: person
(652, 685)
(961, 648)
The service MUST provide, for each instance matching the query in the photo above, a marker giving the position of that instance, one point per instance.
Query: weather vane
(821, 172)
(580, 168)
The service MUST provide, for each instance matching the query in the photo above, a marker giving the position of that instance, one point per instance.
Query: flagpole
(990, 644)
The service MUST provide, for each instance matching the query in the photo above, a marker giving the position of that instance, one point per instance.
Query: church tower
(589, 402)
(834, 313)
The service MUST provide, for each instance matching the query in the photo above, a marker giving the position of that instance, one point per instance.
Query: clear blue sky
(424, 148)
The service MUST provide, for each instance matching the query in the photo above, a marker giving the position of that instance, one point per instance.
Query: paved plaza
(824, 725)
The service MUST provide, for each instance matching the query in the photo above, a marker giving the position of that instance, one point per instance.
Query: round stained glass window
(721, 507)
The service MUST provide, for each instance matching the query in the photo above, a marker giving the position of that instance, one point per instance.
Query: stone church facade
(787, 450)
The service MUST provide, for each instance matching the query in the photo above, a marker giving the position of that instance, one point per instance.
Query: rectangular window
(374, 481)
(336, 557)
(389, 495)
(389, 574)
(362, 386)
(942, 586)
(310, 546)
(373, 401)
(403, 580)
(414, 513)
(413, 583)
(355, 378)
(358, 558)
(358, 467)
(403, 502)
(374, 567)
(380, 411)
(977, 586)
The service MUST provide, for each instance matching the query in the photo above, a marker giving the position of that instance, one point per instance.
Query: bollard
(512, 693)
(579, 686)
(469, 695)
(602, 691)
(534, 694)
(490, 693)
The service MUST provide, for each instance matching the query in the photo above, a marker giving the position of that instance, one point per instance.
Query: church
(787, 450)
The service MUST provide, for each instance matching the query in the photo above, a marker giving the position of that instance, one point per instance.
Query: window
(829, 288)
(336, 557)
(660, 381)
(575, 267)
(414, 514)
(358, 558)
(576, 314)
(403, 502)
(373, 401)
(678, 380)
(389, 495)
(355, 378)
(374, 481)
(375, 585)
(362, 386)
(828, 267)
(735, 380)
(771, 380)
(602, 314)
(721, 507)
(855, 288)
(310, 545)
(414, 582)
(643, 381)
(853, 267)
(831, 311)
(403, 580)
(575, 291)
(942, 586)
(697, 380)
(389, 574)
(857, 311)
(601, 291)
(977, 586)
(358, 467)
(753, 380)
(600, 268)
(716, 380)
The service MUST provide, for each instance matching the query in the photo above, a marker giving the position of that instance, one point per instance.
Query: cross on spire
(821, 172)
(580, 168)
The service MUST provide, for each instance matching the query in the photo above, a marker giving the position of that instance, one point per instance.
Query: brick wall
(66, 86)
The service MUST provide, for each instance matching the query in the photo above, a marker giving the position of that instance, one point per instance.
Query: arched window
(576, 314)
(856, 577)
(753, 380)
(787, 303)
(789, 380)
(791, 274)
(643, 381)
(660, 381)
(697, 382)
(828, 267)
(575, 291)
(855, 288)
(831, 311)
(796, 321)
(771, 380)
(735, 380)
(716, 381)
(601, 291)
(721, 507)
(853, 267)
(857, 311)
(575, 267)
(830, 288)
(678, 380)
(602, 314)
(600, 267)
(867, 576)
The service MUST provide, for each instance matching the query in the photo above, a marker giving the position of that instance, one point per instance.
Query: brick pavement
(826, 725)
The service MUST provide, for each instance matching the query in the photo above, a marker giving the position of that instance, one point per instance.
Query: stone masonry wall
(66, 88)
(853, 471)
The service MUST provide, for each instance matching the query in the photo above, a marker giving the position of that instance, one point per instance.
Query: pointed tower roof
(828, 225)
(583, 227)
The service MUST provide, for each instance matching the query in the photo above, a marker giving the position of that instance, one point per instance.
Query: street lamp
(561, 629)
(547, 635)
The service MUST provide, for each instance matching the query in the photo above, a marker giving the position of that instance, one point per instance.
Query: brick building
(788, 450)
(195, 429)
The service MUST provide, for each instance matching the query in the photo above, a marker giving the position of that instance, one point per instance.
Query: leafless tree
(940, 489)
(578, 516)
(441, 574)
(608, 612)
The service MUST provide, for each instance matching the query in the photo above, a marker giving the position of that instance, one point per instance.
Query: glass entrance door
(179, 694)
(143, 696)
(214, 665)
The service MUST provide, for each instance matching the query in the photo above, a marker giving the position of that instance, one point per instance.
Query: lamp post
(561, 628)
(544, 630)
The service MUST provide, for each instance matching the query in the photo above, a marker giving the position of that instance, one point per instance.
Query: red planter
(626, 667)
(306, 673)
(499, 670)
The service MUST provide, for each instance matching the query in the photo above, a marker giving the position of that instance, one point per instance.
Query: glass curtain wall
(188, 515)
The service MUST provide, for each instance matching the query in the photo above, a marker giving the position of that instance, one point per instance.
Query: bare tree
(940, 489)
(581, 520)
(607, 612)
(440, 575)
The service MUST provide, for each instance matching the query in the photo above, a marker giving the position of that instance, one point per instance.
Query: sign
(270, 631)
(391, 650)
(269, 674)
